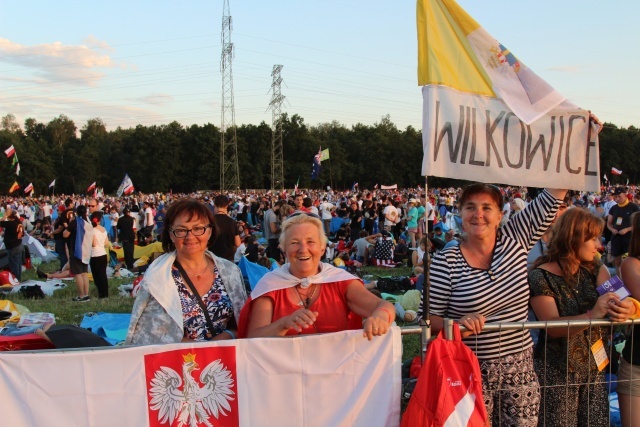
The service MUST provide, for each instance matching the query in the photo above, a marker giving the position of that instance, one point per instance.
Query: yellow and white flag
(488, 117)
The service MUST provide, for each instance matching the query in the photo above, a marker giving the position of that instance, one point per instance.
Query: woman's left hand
(621, 310)
(375, 326)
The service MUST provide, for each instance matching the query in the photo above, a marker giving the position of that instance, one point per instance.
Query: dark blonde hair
(634, 246)
(572, 229)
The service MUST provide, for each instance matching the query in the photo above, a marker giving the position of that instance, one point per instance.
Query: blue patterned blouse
(217, 302)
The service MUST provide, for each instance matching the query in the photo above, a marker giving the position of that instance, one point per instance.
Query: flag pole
(330, 174)
(425, 330)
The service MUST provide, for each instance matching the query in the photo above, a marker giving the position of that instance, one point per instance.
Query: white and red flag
(10, 151)
(616, 171)
(338, 379)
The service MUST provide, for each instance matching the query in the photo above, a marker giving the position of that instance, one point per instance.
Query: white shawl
(282, 279)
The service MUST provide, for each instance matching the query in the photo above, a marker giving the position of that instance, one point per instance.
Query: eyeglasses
(312, 215)
(181, 233)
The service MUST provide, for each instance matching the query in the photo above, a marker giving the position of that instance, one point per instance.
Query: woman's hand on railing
(473, 322)
(603, 305)
(619, 311)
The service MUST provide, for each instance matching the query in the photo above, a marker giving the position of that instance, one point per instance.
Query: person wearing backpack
(13, 233)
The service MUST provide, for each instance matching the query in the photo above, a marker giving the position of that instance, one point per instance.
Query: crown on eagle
(189, 357)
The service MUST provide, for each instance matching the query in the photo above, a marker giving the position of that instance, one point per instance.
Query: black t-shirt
(125, 228)
(224, 244)
(11, 233)
(622, 216)
(252, 252)
(72, 227)
(355, 215)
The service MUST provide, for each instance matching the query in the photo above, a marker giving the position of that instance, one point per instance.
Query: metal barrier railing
(570, 381)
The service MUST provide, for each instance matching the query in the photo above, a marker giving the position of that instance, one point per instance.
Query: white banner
(389, 187)
(336, 379)
(478, 138)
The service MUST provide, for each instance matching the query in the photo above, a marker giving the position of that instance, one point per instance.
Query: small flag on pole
(14, 187)
(295, 189)
(316, 167)
(18, 169)
(53, 183)
(375, 187)
(15, 160)
(126, 186)
(325, 155)
(91, 187)
(29, 188)
(616, 171)
(10, 151)
(605, 178)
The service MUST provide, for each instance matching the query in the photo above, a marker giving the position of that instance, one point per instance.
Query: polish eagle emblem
(182, 398)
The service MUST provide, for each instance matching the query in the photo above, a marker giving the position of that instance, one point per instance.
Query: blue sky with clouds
(354, 61)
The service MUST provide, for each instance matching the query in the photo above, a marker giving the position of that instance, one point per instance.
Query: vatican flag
(488, 117)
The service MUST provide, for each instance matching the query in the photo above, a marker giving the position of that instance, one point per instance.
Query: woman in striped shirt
(484, 279)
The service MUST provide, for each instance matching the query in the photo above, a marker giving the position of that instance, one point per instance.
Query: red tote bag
(449, 388)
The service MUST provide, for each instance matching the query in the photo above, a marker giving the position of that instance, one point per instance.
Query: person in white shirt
(146, 233)
(325, 210)
(113, 216)
(390, 214)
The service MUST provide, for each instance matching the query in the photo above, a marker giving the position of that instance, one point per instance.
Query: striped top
(457, 289)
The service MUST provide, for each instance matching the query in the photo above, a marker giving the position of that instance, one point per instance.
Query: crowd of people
(547, 249)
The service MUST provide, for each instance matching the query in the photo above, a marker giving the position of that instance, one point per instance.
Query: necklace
(486, 266)
(307, 301)
(198, 275)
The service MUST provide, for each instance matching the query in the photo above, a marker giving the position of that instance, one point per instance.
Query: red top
(334, 314)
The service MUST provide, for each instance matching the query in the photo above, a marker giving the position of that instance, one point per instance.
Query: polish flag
(91, 187)
(10, 151)
(616, 171)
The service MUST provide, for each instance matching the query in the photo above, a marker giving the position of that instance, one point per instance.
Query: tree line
(174, 157)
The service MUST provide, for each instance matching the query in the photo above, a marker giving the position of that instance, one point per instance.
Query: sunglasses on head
(297, 213)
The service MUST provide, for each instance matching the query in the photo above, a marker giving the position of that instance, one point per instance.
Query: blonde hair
(302, 218)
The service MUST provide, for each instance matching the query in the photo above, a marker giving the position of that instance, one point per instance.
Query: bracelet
(388, 313)
(231, 333)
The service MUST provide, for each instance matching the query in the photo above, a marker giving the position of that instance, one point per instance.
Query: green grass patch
(70, 312)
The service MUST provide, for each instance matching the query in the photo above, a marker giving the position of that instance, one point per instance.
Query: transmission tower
(229, 172)
(277, 163)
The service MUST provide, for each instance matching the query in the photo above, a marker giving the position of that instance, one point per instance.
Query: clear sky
(354, 61)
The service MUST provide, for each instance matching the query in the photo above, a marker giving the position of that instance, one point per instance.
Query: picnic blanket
(110, 326)
(140, 251)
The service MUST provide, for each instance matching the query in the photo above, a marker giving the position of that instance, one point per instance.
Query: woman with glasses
(187, 294)
(307, 296)
(484, 279)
